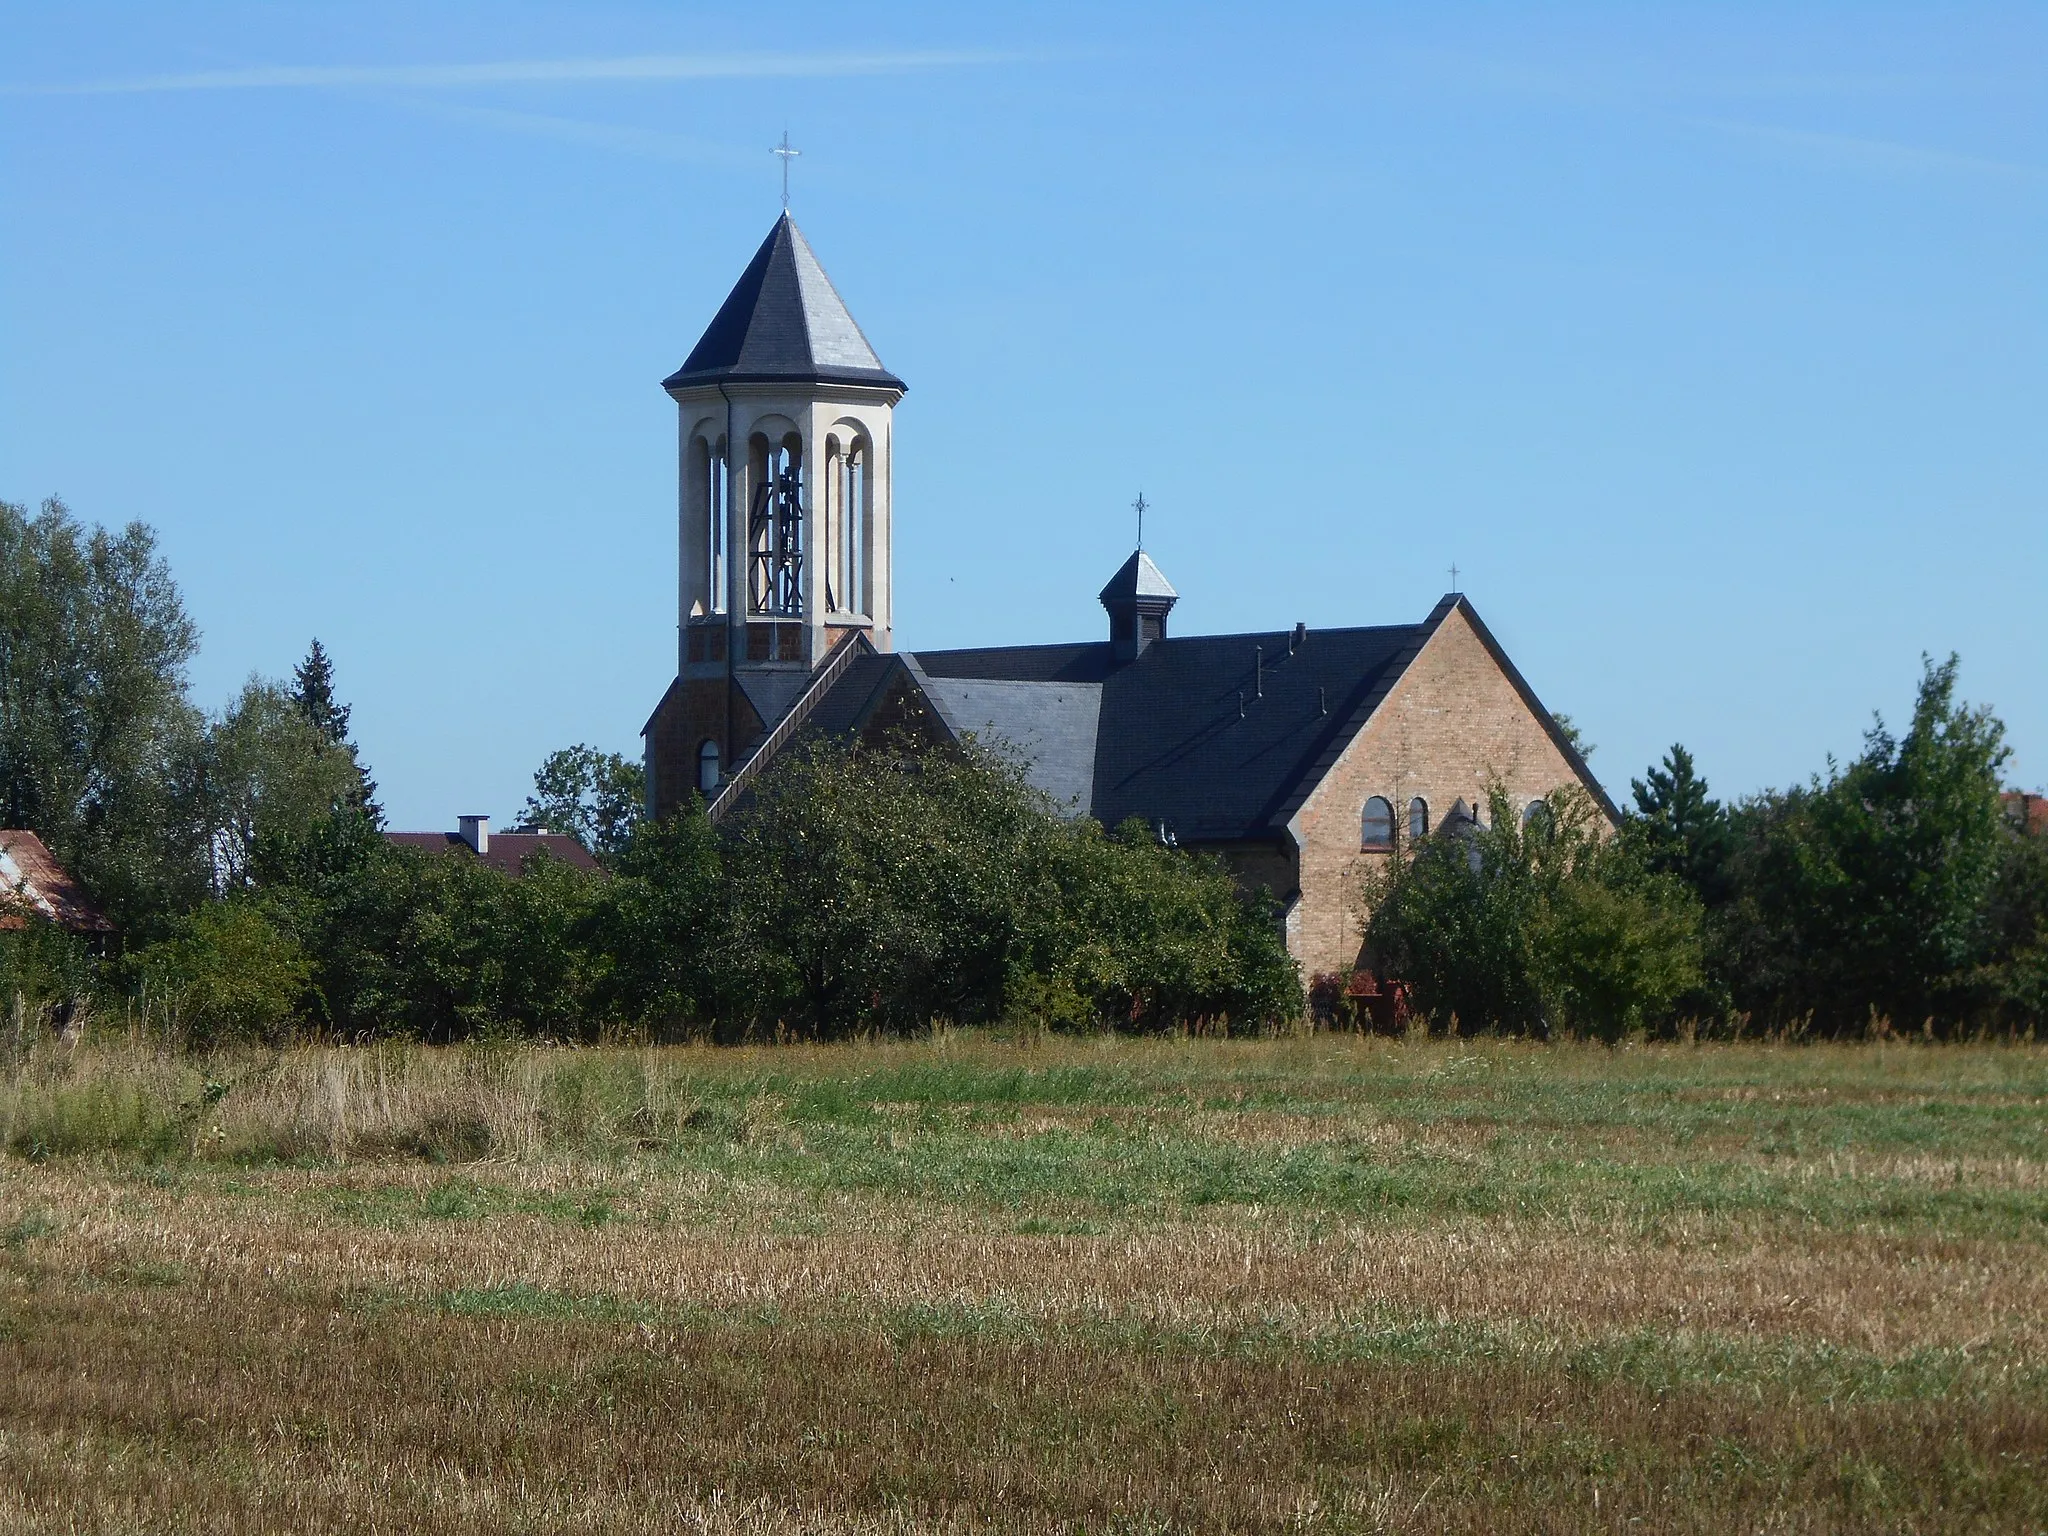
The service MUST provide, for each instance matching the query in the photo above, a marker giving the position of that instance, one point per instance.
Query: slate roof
(783, 322)
(1212, 733)
(1137, 577)
(1053, 727)
(846, 707)
(32, 881)
(1222, 737)
(1163, 737)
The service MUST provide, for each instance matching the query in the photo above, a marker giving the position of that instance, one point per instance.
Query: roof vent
(475, 831)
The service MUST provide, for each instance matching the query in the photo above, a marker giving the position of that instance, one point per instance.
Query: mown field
(1026, 1284)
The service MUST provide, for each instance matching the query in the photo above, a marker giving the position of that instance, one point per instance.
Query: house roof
(1222, 737)
(506, 851)
(783, 322)
(31, 881)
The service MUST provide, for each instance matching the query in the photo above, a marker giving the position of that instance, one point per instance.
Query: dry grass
(1025, 1285)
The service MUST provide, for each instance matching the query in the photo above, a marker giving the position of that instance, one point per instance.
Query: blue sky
(1711, 343)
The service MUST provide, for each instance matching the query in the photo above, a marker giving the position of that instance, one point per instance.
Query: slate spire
(783, 323)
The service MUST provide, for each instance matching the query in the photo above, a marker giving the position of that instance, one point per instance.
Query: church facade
(1299, 756)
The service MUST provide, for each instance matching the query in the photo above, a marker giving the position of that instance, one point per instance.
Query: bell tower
(786, 439)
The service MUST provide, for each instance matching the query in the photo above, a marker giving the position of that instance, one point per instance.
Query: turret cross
(787, 155)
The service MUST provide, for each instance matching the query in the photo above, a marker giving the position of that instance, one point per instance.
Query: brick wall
(694, 711)
(1453, 722)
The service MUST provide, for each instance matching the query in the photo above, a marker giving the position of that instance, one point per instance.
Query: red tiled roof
(2028, 812)
(504, 850)
(32, 881)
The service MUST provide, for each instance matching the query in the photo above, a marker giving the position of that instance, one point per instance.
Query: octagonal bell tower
(785, 416)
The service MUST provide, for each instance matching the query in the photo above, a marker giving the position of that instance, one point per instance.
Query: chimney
(475, 831)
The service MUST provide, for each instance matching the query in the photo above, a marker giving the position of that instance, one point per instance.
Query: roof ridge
(1370, 694)
(1536, 707)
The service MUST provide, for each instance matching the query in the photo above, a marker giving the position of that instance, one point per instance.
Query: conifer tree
(313, 692)
(1684, 830)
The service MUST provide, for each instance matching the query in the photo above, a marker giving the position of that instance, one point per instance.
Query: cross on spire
(787, 155)
(1454, 575)
(1138, 506)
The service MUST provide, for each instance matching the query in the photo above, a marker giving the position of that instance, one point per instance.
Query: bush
(882, 889)
(47, 976)
(439, 946)
(1550, 928)
(1120, 930)
(229, 974)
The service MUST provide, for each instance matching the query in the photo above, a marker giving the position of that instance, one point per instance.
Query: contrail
(643, 67)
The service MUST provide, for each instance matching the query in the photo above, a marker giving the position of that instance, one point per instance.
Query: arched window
(853, 531)
(707, 768)
(718, 537)
(1536, 817)
(1418, 819)
(775, 528)
(1377, 826)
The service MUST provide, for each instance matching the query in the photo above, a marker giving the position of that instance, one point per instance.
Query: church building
(1298, 755)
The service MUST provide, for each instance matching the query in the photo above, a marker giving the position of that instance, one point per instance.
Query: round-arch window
(1537, 817)
(707, 767)
(1418, 819)
(1377, 827)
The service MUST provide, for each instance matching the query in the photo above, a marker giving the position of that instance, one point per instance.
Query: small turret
(1138, 598)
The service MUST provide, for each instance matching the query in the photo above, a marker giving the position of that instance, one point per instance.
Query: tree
(98, 744)
(885, 888)
(227, 973)
(313, 693)
(438, 946)
(1867, 894)
(1534, 929)
(1120, 930)
(1682, 829)
(596, 797)
(2013, 981)
(873, 889)
(1570, 730)
(662, 922)
(270, 777)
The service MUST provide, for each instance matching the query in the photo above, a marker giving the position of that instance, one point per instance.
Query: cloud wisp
(620, 138)
(653, 67)
(1878, 156)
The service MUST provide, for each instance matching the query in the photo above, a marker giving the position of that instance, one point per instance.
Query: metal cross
(1454, 575)
(1139, 507)
(788, 155)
